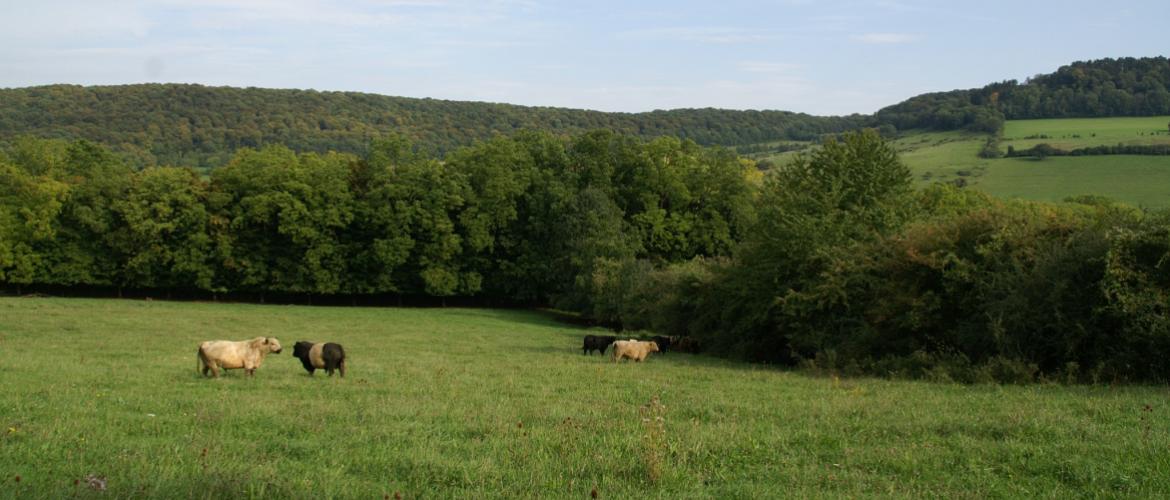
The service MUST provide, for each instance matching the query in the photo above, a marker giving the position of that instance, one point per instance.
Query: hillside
(195, 125)
(1084, 89)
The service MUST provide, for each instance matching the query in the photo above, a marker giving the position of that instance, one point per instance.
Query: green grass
(459, 403)
(943, 156)
(1136, 180)
(1073, 133)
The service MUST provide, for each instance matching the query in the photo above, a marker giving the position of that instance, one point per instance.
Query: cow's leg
(214, 370)
(341, 368)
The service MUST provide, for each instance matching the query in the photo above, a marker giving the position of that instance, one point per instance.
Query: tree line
(1044, 150)
(834, 262)
(201, 126)
(526, 217)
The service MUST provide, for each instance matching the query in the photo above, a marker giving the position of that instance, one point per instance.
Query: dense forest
(833, 261)
(1086, 89)
(198, 126)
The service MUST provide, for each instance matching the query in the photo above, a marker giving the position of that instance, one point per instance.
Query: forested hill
(1085, 89)
(195, 125)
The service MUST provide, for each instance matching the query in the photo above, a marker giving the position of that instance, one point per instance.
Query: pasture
(943, 156)
(1136, 180)
(1073, 133)
(501, 403)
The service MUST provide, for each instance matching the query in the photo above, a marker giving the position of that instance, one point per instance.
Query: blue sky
(820, 57)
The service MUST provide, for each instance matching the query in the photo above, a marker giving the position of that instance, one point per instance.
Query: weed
(653, 450)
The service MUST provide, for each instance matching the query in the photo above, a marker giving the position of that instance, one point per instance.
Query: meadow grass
(943, 156)
(1072, 133)
(501, 403)
(1137, 180)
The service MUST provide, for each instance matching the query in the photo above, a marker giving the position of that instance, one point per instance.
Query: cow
(597, 342)
(633, 349)
(316, 356)
(228, 354)
(663, 342)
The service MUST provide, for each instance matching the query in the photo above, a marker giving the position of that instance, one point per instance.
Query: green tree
(83, 252)
(819, 207)
(164, 233)
(29, 208)
(278, 218)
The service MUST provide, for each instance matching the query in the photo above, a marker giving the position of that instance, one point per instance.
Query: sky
(818, 57)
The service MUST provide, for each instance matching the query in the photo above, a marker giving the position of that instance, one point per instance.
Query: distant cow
(663, 342)
(634, 349)
(315, 356)
(227, 354)
(597, 342)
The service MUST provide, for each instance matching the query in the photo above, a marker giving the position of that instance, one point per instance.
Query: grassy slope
(1137, 180)
(1087, 132)
(484, 403)
(943, 156)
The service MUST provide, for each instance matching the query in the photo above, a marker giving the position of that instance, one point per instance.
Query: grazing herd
(637, 350)
(216, 355)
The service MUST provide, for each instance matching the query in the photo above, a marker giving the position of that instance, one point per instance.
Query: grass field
(943, 156)
(1072, 133)
(1137, 180)
(461, 403)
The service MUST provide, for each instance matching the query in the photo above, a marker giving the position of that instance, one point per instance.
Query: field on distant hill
(501, 403)
(1072, 133)
(1137, 180)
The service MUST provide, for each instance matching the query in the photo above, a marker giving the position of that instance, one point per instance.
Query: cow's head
(272, 344)
(301, 349)
(653, 346)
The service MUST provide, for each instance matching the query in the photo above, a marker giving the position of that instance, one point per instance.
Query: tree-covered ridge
(195, 125)
(1086, 89)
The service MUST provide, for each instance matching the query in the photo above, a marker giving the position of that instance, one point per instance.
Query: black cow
(597, 342)
(662, 341)
(313, 356)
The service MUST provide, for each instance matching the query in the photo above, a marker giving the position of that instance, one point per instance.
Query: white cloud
(886, 38)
